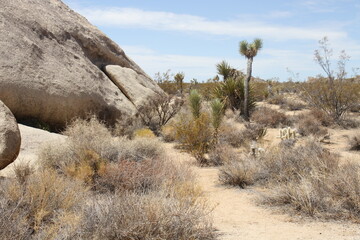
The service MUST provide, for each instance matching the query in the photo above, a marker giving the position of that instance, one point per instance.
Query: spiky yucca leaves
(224, 69)
(231, 93)
(250, 50)
(217, 111)
(195, 103)
(217, 114)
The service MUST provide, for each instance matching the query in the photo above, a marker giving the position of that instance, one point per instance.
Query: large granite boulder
(10, 139)
(51, 66)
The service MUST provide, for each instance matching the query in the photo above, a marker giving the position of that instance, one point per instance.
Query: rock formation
(10, 139)
(52, 63)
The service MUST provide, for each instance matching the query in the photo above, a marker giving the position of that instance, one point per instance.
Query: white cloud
(270, 63)
(137, 18)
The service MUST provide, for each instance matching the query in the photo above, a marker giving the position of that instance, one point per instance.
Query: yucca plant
(231, 94)
(217, 113)
(224, 69)
(195, 103)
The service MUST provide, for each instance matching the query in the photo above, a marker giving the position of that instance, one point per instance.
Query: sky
(192, 36)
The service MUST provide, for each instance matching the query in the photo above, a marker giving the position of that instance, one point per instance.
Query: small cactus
(287, 133)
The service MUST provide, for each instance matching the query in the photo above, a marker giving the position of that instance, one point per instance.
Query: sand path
(237, 216)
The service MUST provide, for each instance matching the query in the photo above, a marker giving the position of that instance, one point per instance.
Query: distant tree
(249, 50)
(334, 94)
(179, 79)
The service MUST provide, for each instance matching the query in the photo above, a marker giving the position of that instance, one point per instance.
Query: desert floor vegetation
(96, 186)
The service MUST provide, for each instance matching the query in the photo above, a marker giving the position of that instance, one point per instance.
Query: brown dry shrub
(269, 117)
(307, 125)
(161, 215)
(322, 117)
(221, 154)
(277, 100)
(168, 133)
(140, 176)
(195, 136)
(241, 171)
(306, 179)
(354, 142)
(45, 206)
(293, 105)
(230, 134)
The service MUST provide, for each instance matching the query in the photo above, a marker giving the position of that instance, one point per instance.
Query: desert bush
(44, 207)
(322, 117)
(334, 98)
(355, 108)
(278, 99)
(163, 215)
(307, 125)
(141, 176)
(85, 155)
(241, 171)
(232, 135)
(348, 122)
(144, 133)
(168, 133)
(269, 117)
(260, 90)
(158, 111)
(333, 94)
(195, 136)
(221, 154)
(137, 192)
(307, 179)
(293, 105)
(354, 142)
(126, 126)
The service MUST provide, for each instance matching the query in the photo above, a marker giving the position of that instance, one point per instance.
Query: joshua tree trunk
(246, 89)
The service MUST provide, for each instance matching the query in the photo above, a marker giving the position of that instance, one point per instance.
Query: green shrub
(195, 103)
(195, 136)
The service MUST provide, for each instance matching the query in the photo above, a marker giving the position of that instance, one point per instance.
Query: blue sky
(193, 35)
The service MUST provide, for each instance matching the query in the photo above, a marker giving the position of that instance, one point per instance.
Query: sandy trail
(237, 216)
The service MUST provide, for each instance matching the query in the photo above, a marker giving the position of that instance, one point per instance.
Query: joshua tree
(249, 50)
(179, 78)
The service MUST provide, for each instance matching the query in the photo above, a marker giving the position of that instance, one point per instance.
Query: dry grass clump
(277, 99)
(235, 137)
(144, 133)
(220, 154)
(293, 105)
(354, 142)
(269, 117)
(322, 117)
(241, 171)
(162, 215)
(43, 205)
(307, 125)
(307, 179)
(168, 133)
